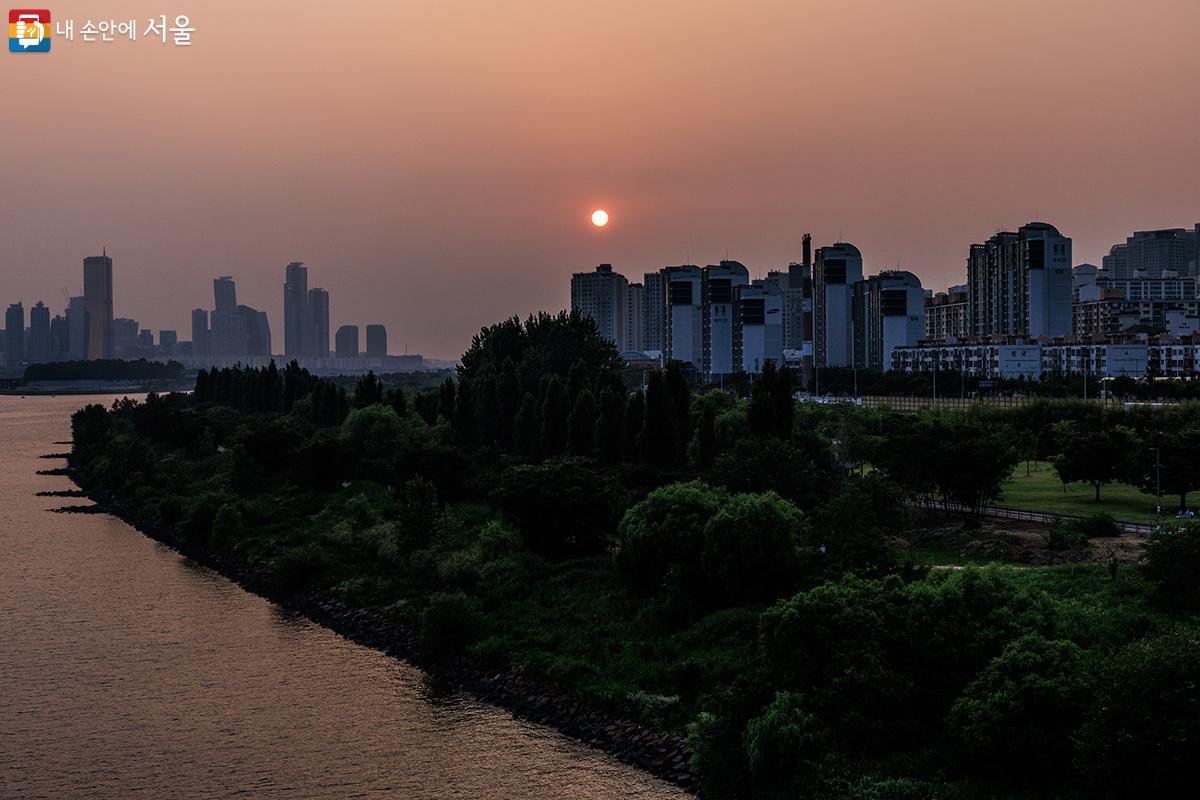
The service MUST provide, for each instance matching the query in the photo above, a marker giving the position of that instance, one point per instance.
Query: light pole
(1157, 483)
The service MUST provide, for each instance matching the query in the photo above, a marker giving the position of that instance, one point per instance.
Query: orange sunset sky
(435, 163)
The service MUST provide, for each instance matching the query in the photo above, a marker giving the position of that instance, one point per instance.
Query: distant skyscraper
(634, 309)
(718, 288)
(200, 348)
(39, 334)
(653, 312)
(60, 338)
(837, 268)
(295, 309)
(758, 326)
(346, 341)
(1019, 284)
(1148, 254)
(258, 331)
(601, 295)
(125, 337)
(167, 340)
(14, 336)
(98, 293)
(318, 314)
(78, 329)
(683, 325)
(889, 312)
(376, 341)
(224, 295)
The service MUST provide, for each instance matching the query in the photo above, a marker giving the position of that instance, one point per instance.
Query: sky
(435, 164)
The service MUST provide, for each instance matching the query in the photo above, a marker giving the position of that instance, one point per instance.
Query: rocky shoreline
(663, 755)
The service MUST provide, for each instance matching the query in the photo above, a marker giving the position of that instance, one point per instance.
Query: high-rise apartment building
(602, 295)
(98, 294)
(318, 324)
(758, 325)
(78, 328)
(653, 312)
(295, 309)
(946, 314)
(837, 268)
(718, 288)
(889, 312)
(39, 334)
(634, 310)
(200, 334)
(376, 341)
(1151, 254)
(14, 336)
(683, 323)
(224, 295)
(1019, 283)
(346, 342)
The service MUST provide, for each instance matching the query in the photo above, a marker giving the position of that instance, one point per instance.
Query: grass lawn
(1041, 490)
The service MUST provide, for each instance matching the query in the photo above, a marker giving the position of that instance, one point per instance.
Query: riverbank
(663, 755)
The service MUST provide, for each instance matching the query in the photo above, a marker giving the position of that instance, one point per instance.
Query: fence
(907, 404)
(1021, 514)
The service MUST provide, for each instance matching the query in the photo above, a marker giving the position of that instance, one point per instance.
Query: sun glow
(599, 217)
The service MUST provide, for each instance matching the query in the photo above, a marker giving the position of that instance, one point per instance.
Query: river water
(127, 671)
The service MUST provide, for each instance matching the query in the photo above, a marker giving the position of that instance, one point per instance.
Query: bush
(1064, 534)
(1141, 733)
(664, 530)
(752, 548)
(1015, 718)
(1100, 525)
(1173, 563)
(564, 507)
(298, 568)
(785, 743)
(449, 624)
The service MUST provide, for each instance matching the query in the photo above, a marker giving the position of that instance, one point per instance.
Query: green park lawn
(1041, 490)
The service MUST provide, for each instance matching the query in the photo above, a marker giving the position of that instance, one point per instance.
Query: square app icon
(29, 30)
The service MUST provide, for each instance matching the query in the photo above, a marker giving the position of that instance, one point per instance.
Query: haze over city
(437, 165)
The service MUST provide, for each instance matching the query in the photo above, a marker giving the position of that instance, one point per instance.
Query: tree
(681, 401)
(752, 547)
(657, 443)
(1015, 719)
(527, 427)
(1177, 467)
(771, 402)
(973, 459)
(706, 438)
(1098, 456)
(666, 530)
(1141, 733)
(554, 418)
(581, 425)
(565, 507)
(1172, 562)
(446, 400)
(368, 391)
(635, 415)
(610, 431)
(465, 427)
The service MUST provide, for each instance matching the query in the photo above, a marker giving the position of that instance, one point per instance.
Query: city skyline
(481, 149)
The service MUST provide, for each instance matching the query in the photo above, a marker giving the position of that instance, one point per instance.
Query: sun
(599, 217)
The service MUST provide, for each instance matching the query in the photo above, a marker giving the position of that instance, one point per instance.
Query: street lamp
(1157, 483)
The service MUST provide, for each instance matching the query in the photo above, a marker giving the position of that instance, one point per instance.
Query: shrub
(1173, 563)
(298, 568)
(564, 507)
(1099, 525)
(1141, 732)
(449, 624)
(664, 530)
(1016, 717)
(785, 743)
(752, 548)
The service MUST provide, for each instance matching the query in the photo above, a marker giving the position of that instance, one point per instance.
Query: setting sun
(599, 217)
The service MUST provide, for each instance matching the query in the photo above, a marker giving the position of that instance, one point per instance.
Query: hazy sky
(435, 163)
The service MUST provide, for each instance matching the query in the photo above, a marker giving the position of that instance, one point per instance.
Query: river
(128, 671)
